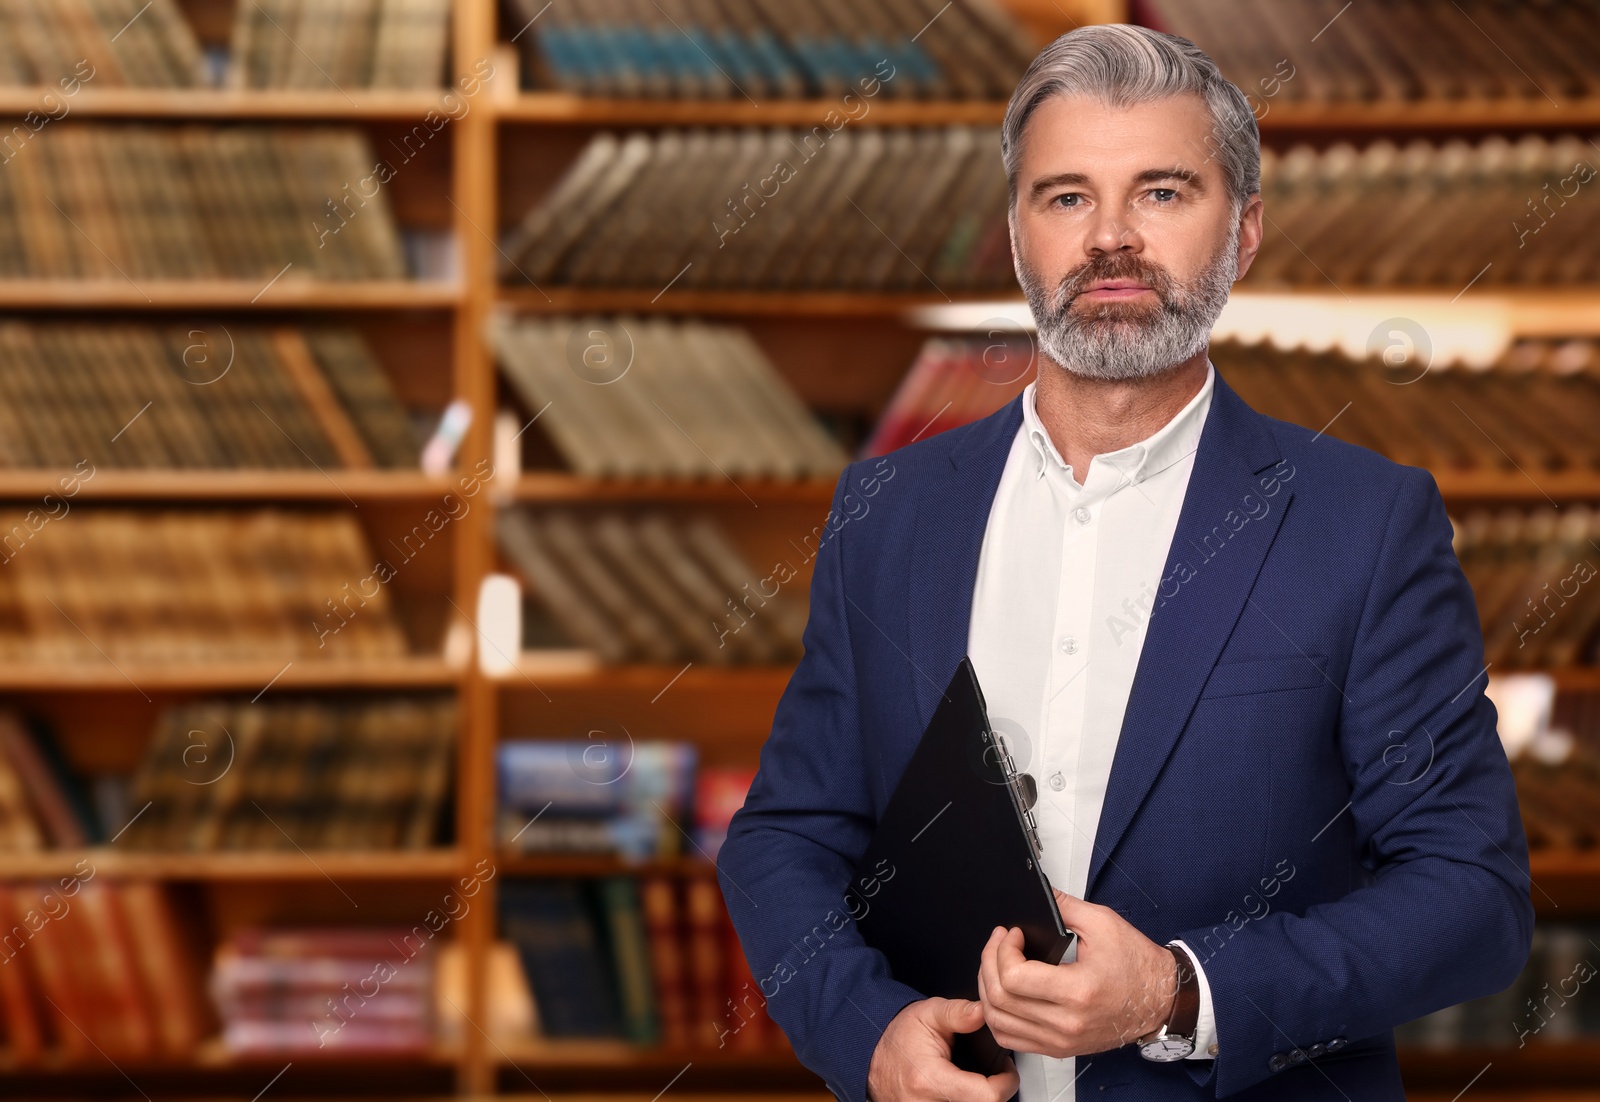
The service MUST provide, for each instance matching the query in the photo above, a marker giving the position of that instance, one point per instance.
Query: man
(1239, 658)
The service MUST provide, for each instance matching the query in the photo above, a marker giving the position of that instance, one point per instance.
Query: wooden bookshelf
(267, 294)
(720, 709)
(285, 867)
(188, 104)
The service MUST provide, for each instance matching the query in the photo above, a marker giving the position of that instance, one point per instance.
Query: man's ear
(1249, 234)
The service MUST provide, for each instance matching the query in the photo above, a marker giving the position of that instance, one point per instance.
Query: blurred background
(418, 419)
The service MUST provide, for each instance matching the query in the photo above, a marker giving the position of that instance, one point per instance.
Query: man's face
(1125, 234)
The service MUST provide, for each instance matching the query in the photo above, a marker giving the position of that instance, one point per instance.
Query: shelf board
(414, 672)
(1515, 487)
(431, 864)
(248, 485)
(621, 1054)
(578, 672)
(212, 103)
(821, 304)
(305, 294)
(212, 1056)
(1533, 112)
(596, 864)
(560, 487)
(567, 109)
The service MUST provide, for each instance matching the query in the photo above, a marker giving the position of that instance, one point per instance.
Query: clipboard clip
(1024, 793)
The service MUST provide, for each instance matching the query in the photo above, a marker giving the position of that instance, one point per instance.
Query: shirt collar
(1142, 459)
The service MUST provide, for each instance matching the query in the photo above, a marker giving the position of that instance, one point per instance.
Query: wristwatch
(1174, 1038)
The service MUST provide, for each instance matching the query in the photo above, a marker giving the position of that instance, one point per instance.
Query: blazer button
(1297, 1056)
(1278, 1062)
(1337, 1043)
(1317, 1050)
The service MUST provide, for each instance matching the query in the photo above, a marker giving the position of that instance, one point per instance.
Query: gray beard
(1117, 346)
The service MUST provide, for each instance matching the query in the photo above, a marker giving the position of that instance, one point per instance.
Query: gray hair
(1124, 65)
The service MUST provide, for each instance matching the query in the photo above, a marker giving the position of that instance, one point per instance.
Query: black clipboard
(955, 854)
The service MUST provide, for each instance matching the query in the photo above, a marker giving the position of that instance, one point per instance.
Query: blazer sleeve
(791, 850)
(1445, 915)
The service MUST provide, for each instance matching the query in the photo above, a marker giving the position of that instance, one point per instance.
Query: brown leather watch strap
(1185, 1017)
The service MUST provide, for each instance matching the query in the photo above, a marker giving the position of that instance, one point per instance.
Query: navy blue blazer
(1308, 787)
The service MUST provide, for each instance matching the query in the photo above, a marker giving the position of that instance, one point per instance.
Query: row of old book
(653, 587)
(1552, 1001)
(610, 794)
(1533, 574)
(651, 959)
(334, 45)
(146, 396)
(306, 774)
(657, 398)
(749, 209)
(1401, 51)
(771, 49)
(1538, 404)
(145, 587)
(324, 45)
(1490, 213)
(94, 969)
(136, 202)
(925, 211)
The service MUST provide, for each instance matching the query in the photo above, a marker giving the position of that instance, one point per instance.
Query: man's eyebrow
(1176, 172)
(1148, 176)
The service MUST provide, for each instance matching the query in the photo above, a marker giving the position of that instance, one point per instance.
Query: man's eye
(1164, 194)
(1068, 200)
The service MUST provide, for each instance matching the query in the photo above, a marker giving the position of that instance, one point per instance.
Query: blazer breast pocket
(1280, 673)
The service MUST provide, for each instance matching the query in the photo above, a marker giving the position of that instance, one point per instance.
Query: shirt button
(1057, 781)
(1211, 1049)
(1069, 645)
(1081, 515)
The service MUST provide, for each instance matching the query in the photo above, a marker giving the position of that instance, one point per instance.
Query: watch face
(1167, 1048)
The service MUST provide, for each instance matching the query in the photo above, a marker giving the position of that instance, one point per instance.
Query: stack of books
(309, 774)
(953, 381)
(654, 588)
(132, 203)
(846, 209)
(1405, 51)
(625, 798)
(700, 401)
(719, 791)
(1534, 573)
(770, 49)
(334, 45)
(64, 44)
(195, 586)
(143, 396)
(1490, 214)
(287, 991)
(652, 959)
(94, 970)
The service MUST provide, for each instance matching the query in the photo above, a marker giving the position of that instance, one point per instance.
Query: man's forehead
(1083, 134)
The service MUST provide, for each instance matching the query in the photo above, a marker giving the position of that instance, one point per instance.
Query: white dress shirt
(1066, 580)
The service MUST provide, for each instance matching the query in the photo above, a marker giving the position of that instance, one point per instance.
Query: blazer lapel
(952, 515)
(1197, 607)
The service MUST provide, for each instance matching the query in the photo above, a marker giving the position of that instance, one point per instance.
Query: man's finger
(957, 1016)
(950, 1082)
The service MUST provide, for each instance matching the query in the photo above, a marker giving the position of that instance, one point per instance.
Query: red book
(707, 961)
(19, 996)
(658, 899)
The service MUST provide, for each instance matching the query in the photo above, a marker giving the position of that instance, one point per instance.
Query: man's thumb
(959, 1015)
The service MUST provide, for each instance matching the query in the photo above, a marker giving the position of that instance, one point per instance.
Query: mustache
(1113, 267)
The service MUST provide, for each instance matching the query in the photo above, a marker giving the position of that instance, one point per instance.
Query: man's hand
(912, 1060)
(1121, 987)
